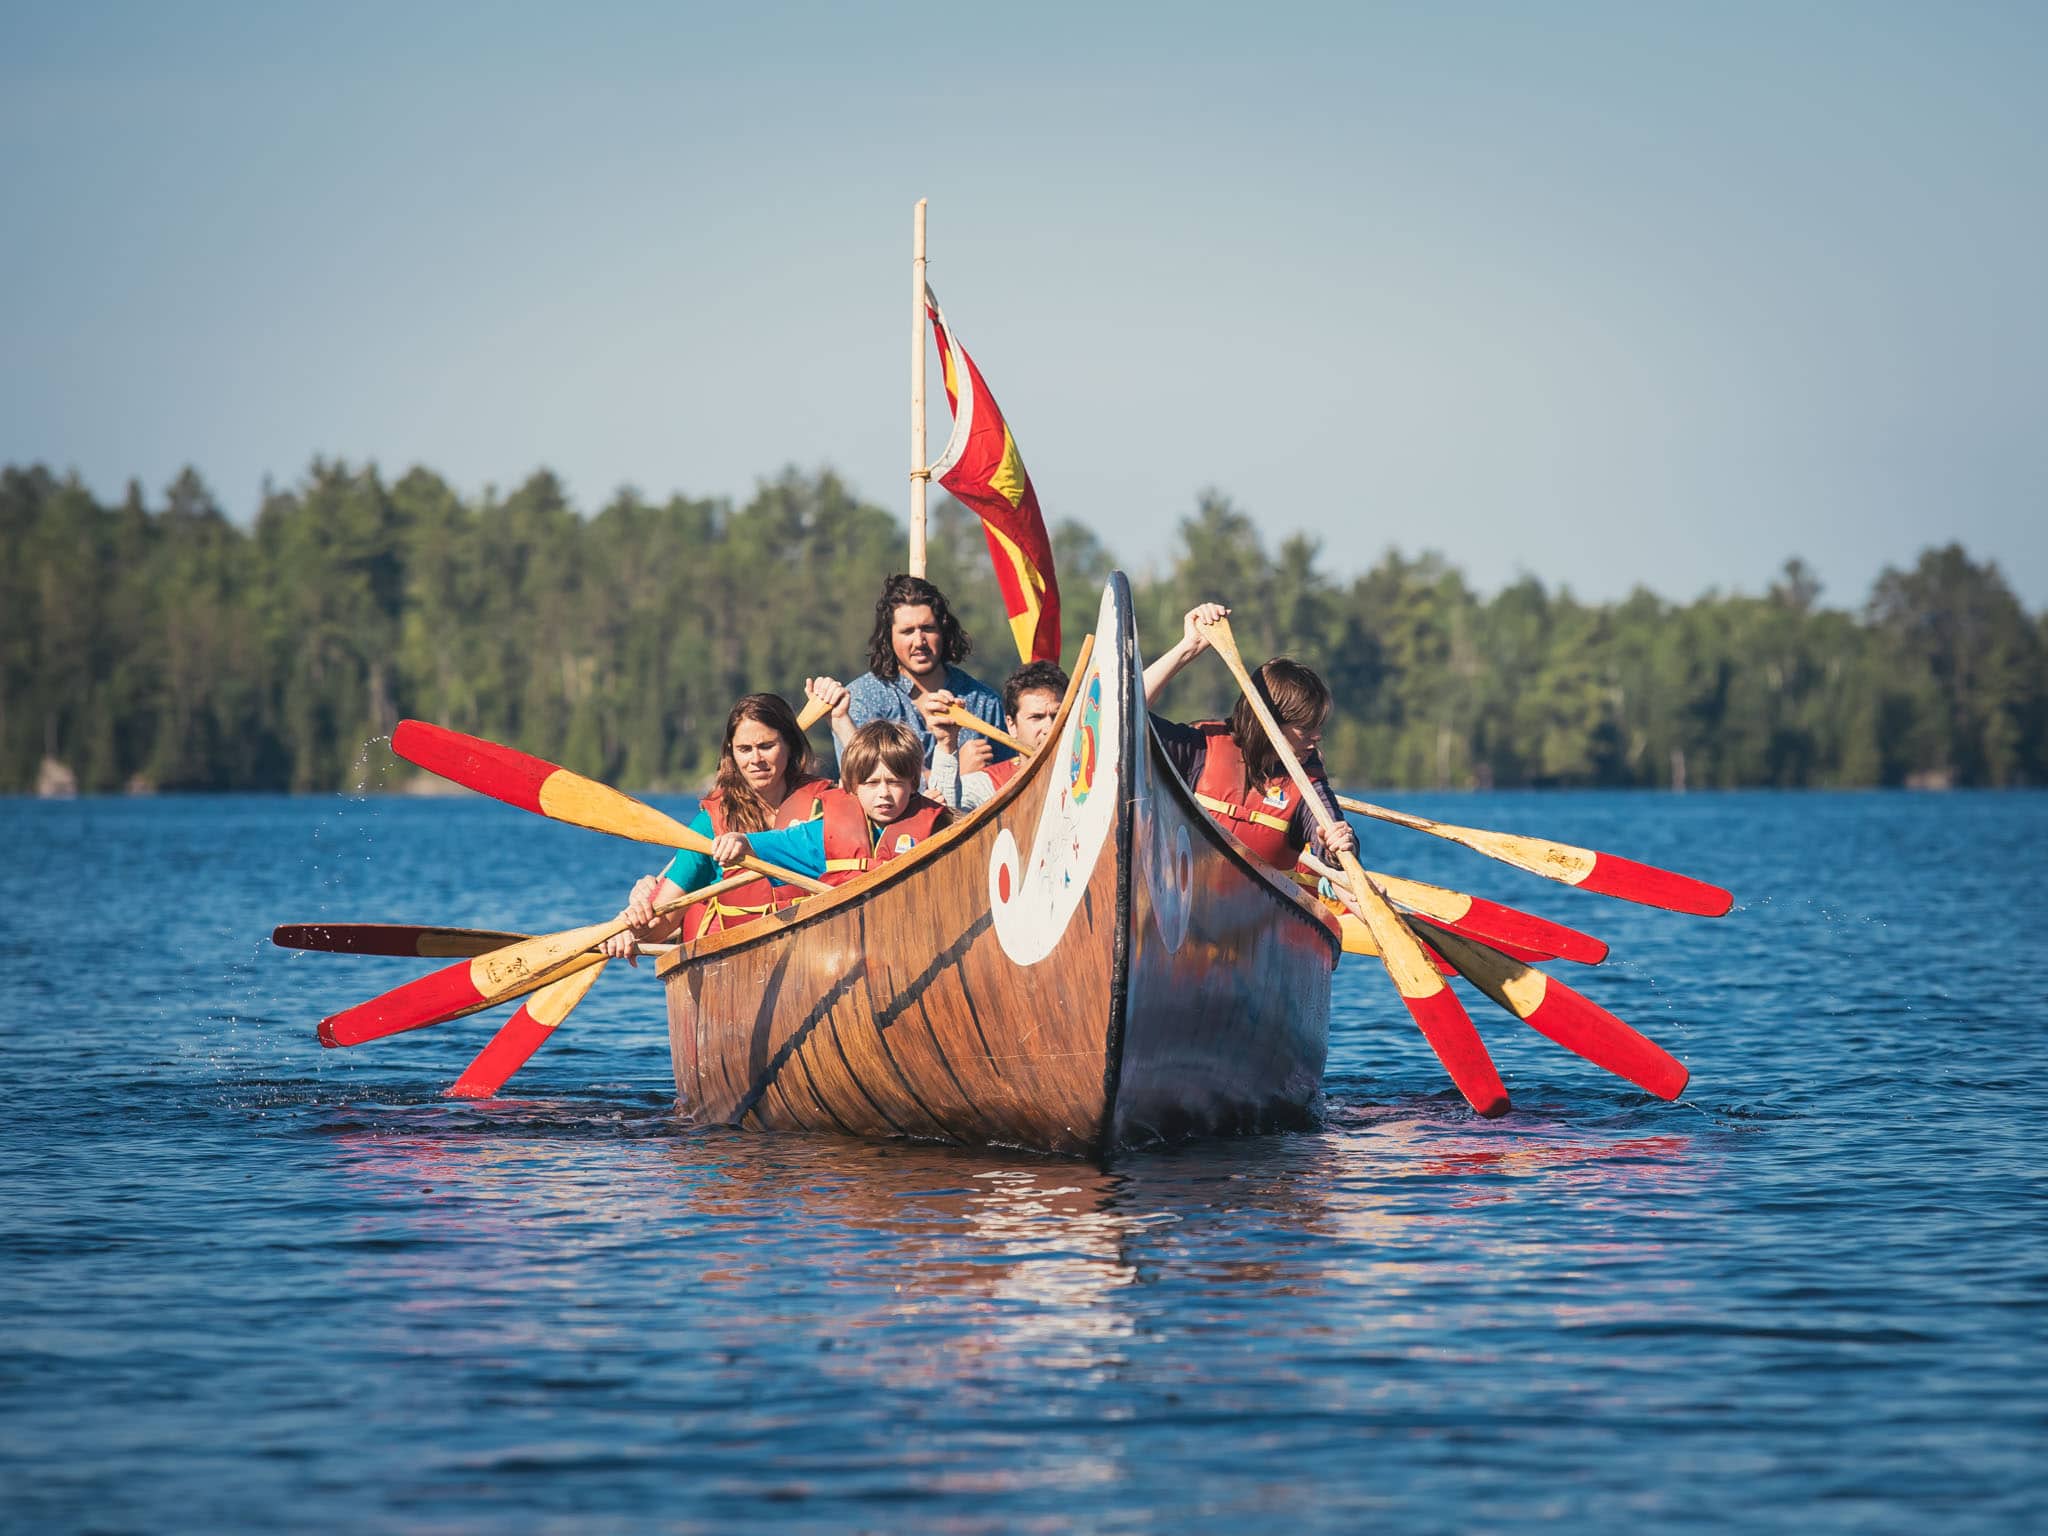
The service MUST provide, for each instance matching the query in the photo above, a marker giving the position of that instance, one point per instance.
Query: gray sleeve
(942, 779)
(976, 789)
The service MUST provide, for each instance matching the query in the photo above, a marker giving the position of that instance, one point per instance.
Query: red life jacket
(853, 845)
(747, 903)
(1001, 773)
(1259, 815)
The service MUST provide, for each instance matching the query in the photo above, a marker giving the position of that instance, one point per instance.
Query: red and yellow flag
(982, 469)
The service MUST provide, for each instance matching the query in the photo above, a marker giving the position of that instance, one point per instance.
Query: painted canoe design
(1084, 964)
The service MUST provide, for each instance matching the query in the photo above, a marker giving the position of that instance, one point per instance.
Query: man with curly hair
(913, 672)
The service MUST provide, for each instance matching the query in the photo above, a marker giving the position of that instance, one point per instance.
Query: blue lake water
(253, 1284)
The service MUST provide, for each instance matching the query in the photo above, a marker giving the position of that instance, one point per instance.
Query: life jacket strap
(1240, 812)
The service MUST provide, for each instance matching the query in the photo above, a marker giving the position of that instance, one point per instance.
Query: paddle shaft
(405, 940)
(959, 715)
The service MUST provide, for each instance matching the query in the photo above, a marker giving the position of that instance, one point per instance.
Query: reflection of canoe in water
(1086, 963)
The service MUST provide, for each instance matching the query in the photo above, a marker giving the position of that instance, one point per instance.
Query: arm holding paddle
(829, 696)
(649, 892)
(1194, 640)
(800, 848)
(958, 776)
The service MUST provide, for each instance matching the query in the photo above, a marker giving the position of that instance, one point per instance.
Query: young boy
(1031, 702)
(875, 815)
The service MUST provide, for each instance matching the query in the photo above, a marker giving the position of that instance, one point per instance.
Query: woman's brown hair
(744, 810)
(1295, 695)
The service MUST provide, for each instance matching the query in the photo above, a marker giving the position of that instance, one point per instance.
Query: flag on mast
(984, 473)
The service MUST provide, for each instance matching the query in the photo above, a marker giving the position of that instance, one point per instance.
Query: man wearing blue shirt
(912, 672)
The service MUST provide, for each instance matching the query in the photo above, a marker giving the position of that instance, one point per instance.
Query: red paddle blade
(1582, 1026)
(1650, 886)
(433, 999)
(1571, 1019)
(1450, 1033)
(503, 773)
(1527, 936)
(524, 1033)
(408, 939)
(510, 1049)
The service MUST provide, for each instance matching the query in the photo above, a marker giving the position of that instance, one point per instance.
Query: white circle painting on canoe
(1033, 896)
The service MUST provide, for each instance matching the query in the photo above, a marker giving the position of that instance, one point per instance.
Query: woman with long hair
(1231, 765)
(766, 779)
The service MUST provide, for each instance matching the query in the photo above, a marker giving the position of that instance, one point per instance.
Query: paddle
(524, 1033)
(1357, 941)
(1435, 1009)
(1357, 938)
(814, 710)
(1522, 934)
(1573, 1020)
(548, 789)
(404, 939)
(391, 939)
(489, 979)
(959, 715)
(1585, 868)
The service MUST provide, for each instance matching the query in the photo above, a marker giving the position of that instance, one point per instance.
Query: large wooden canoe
(1086, 963)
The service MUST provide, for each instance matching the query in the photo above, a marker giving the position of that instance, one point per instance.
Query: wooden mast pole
(920, 473)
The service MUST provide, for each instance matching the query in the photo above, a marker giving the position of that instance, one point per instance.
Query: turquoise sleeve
(801, 847)
(691, 871)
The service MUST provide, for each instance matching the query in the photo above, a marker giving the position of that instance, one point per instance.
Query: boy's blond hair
(887, 743)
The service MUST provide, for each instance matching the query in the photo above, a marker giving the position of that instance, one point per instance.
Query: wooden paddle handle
(961, 716)
(814, 710)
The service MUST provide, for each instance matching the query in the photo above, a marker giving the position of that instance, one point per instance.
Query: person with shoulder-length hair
(1231, 765)
(913, 673)
(766, 779)
(874, 816)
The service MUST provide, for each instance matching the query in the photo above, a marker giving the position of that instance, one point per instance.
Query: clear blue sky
(1609, 293)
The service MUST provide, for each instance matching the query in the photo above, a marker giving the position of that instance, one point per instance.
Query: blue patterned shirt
(874, 699)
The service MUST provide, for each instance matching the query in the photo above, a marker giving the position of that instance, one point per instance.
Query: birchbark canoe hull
(1085, 964)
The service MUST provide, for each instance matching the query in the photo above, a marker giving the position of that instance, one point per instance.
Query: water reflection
(936, 1264)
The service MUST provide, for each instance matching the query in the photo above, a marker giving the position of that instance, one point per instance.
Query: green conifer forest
(159, 645)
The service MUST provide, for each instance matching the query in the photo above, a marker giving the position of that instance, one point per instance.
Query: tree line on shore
(165, 647)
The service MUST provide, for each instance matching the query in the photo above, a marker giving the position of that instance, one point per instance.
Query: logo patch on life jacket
(905, 842)
(1277, 797)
